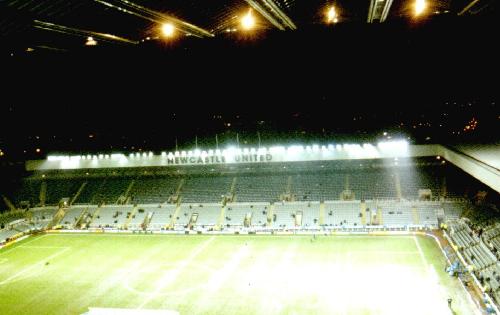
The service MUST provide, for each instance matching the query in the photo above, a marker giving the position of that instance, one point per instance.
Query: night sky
(427, 82)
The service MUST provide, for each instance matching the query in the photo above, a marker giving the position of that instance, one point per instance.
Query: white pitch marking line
(429, 270)
(169, 277)
(8, 250)
(384, 252)
(424, 260)
(62, 247)
(33, 266)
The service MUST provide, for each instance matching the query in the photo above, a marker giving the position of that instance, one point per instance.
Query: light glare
(248, 21)
(331, 15)
(419, 6)
(168, 29)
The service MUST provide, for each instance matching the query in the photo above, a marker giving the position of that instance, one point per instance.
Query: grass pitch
(66, 274)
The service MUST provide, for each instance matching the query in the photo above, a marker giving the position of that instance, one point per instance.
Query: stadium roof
(488, 154)
(59, 24)
(482, 166)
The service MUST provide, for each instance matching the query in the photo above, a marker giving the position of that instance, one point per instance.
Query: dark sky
(313, 83)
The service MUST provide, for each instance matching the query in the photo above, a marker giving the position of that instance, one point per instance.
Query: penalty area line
(27, 269)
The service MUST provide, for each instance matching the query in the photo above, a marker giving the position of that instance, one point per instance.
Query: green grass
(228, 275)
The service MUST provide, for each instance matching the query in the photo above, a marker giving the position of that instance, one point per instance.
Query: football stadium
(324, 229)
(249, 157)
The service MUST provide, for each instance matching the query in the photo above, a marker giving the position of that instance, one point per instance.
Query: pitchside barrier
(14, 240)
(373, 230)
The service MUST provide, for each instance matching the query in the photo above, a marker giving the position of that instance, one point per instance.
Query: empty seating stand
(136, 219)
(284, 215)
(453, 210)
(7, 233)
(462, 234)
(310, 214)
(260, 188)
(58, 189)
(208, 214)
(72, 215)
(396, 213)
(235, 214)
(427, 213)
(110, 216)
(111, 190)
(258, 212)
(208, 189)
(151, 190)
(317, 187)
(342, 213)
(40, 217)
(161, 216)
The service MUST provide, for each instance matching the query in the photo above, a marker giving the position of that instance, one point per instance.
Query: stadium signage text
(231, 155)
(219, 159)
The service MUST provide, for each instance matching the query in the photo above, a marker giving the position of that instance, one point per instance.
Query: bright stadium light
(168, 29)
(331, 15)
(397, 147)
(90, 41)
(118, 156)
(277, 149)
(295, 148)
(248, 21)
(419, 7)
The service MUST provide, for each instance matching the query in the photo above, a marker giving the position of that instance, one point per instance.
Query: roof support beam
(379, 10)
(79, 32)
(280, 14)
(385, 12)
(467, 8)
(257, 7)
(154, 16)
(370, 11)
